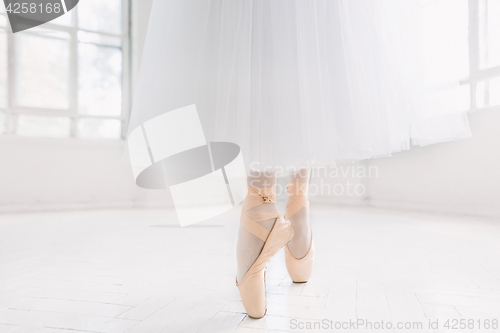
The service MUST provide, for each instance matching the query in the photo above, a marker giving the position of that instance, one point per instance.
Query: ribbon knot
(266, 194)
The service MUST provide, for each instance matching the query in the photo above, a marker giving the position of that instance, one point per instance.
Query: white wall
(50, 174)
(457, 177)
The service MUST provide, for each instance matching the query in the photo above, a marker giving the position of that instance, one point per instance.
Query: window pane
(99, 15)
(65, 19)
(3, 123)
(3, 68)
(495, 91)
(3, 22)
(480, 94)
(43, 126)
(90, 37)
(99, 128)
(445, 40)
(42, 80)
(99, 79)
(489, 32)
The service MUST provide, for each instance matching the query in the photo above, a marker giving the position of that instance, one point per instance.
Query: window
(68, 77)
(462, 42)
(485, 72)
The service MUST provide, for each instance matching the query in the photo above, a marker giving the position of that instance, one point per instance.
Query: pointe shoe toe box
(300, 270)
(253, 296)
(253, 285)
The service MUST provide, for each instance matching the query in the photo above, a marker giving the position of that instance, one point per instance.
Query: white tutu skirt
(293, 82)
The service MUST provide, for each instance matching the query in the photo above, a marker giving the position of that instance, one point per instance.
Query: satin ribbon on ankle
(258, 196)
(249, 219)
(297, 198)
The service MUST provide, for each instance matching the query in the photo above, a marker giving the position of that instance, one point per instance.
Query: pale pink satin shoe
(252, 286)
(300, 269)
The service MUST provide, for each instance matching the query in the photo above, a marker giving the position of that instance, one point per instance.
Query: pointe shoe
(300, 269)
(252, 286)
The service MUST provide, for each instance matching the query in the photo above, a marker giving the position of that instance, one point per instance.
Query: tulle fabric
(294, 82)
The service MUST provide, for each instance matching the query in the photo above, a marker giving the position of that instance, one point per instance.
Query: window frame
(13, 110)
(476, 74)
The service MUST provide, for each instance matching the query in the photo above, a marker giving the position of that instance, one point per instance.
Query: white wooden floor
(137, 271)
